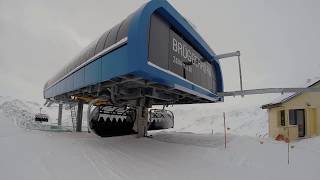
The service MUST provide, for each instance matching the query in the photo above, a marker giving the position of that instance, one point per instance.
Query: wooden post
(225, 130)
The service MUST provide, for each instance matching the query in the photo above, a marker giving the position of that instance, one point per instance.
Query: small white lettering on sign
(177, 61)
(189, 56)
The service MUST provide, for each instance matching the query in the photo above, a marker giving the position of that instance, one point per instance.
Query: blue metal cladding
(132, 58)
(69, 84)
(78, 79)
(92, 73)
(115, 64)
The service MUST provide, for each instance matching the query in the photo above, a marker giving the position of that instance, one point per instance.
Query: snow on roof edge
(286, 97)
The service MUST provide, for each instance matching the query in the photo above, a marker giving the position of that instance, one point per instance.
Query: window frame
(292, 119)
(282, 121)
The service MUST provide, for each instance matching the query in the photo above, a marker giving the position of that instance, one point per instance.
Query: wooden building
(296, 115)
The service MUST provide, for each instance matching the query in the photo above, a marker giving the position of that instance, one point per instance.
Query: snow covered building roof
(287, 97)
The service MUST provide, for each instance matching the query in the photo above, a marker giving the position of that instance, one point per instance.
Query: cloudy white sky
(279, 39)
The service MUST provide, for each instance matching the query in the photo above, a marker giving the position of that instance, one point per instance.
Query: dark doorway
(297, 117)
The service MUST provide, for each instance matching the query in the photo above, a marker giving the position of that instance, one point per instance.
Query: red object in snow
(280, 137)
(286, 140)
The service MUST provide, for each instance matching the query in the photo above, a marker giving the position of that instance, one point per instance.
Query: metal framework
(140, 94)
(126, 90)
(243, 92)
(269, 91)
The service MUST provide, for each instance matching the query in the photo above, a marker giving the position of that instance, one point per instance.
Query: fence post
(225, 130)
(288, 146)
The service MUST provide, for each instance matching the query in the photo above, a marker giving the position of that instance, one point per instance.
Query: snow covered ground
(205, 118)
(175, 154)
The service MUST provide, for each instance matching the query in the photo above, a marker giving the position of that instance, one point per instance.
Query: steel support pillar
(60, 115)
(142, 117)
(142, 121)
(79, 117)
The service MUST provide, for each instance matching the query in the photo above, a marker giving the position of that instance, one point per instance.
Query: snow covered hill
(204, 119)
(38, 155)
(20, 111)
(201, 119)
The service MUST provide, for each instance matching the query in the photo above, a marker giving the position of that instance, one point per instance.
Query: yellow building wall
(318, 121)
(273, 122)
(310, 102)
(313, 121)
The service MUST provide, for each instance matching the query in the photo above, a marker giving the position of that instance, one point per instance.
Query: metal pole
(90, 113)
(79, 117)
(142, 118)
(288, 146)
(60, 115)
(225, 130)
(240, 75)
(233, 54)
(268, 90)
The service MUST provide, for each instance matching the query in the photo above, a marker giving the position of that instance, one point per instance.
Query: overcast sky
(279, 39)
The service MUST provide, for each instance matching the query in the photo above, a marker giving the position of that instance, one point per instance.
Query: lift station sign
(170, 51)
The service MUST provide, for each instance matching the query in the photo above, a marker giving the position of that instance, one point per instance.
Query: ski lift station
(153, 57)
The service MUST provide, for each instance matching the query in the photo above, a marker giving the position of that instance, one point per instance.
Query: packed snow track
(39, 155)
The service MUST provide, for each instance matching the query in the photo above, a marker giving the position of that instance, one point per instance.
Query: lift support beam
(268, 91)
(243, 92)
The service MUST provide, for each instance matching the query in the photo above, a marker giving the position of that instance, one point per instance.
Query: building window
(292, 117)
(282, 118)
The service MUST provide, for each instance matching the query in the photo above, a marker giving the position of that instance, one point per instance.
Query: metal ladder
(73, 117)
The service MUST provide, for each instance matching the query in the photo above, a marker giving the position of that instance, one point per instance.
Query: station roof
(106, 40)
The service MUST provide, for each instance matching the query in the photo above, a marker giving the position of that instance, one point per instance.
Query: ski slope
(39, 155)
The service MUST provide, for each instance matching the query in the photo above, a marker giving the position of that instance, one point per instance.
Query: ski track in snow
(170, 154)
